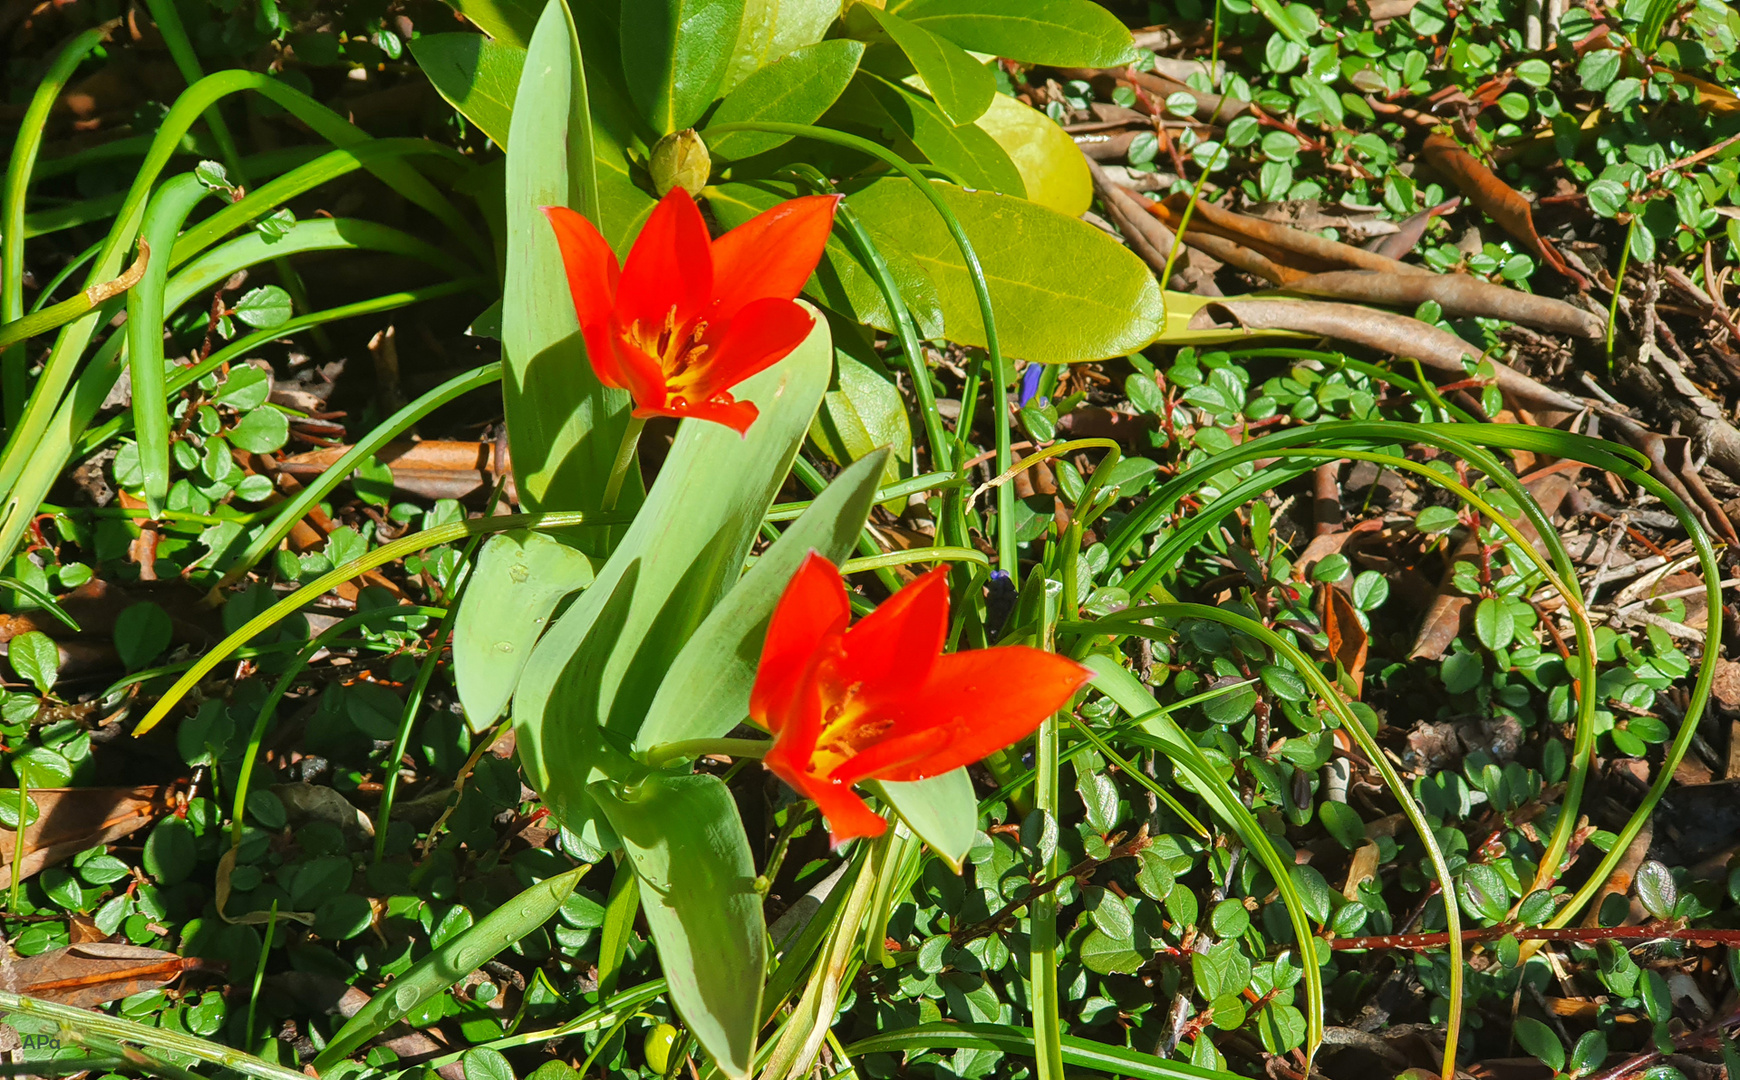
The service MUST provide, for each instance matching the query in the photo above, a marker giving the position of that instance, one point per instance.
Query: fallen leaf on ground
(70, 820)
(95, 973)
(1497, 199)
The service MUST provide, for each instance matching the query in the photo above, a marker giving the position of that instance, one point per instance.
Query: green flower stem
(1006, 554)
(625, 454)
(381, 556)
(915, 555)
(1183, 223)
(665, 753)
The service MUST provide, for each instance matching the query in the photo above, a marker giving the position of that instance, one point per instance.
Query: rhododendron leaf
(774, 29)
(672, 58)
(697, 890)
(1110, 305)
(603, 660)
(706, 691)
(796, 89)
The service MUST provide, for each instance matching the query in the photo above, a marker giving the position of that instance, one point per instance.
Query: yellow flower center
(678, 352)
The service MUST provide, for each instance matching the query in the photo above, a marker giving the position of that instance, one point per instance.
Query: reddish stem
(1660, 931)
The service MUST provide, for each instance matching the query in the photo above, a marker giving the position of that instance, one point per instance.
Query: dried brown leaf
(1498, 200)
(71, 820)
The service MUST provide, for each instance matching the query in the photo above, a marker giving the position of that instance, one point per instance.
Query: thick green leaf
(1063, 33)
(1052, 168)
(519, 579)
(451, 962)
(563, 424)
(960, 84)
(616, 128)
(671, 56)
(602, 661)
(797, 89)
(510, 22)
(942, 810)
(697, 889)
(1063, 290)
(773, 29)
(841, 283)
(706, 691)
(477, 75)
(901, 117)
(863, 411)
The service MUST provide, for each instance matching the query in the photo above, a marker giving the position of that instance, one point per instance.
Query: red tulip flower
(880, 700)
(689, 317)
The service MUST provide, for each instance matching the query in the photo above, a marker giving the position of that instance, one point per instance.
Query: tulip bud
(680, 160)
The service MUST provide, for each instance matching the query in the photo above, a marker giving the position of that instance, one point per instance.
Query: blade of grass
(451, 962)
(453, 591)
(381, 556)
(164, 216)
(59, 370)
(14, 362)
(39, 467)
(156, 1038)
(186, 376)
(1128, 621)
(1009, 1039)
(393, 426)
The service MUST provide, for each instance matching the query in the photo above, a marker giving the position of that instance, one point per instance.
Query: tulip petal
(669, 269)
(772, 254)
(849, 816)
(762, 334)
(893, 649)
(593, 277)
(811, 613)
(639, 373)
(724, 409)
(902, 753)
(985, 700)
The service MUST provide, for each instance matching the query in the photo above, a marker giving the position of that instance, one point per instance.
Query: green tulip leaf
(519, 579)
(602, 661)
(563, 424)
(706, 692)
(697, 890)
(942, 811)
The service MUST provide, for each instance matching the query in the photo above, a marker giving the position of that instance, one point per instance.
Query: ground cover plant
(943, 538)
